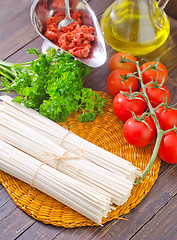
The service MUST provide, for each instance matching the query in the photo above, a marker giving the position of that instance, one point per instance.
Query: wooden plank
(16, 29)
(22, 55)
(99, 7)
(79, 233)
(4, 197)
(7, 10)
(14, 224)
(6, 204)
(7, 208)
(171, 8)
(172, 86)
(40, 231)
(162, 225)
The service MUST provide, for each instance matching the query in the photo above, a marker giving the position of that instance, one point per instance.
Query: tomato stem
(160, 105)
(152, 66)
(160, 132)
(171, 129)
(126, 60)
(153, 157)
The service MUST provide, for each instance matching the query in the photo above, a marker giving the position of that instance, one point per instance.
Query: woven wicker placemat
(106, 132)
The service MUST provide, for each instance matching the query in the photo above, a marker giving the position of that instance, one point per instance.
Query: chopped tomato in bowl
(77, 40)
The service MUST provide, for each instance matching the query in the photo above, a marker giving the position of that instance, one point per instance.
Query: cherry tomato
(157, 94)
(167, 117)
(115, 83)
(152, 74)
(168, 147)
(138, 133)
(124, 106)
(115, 62)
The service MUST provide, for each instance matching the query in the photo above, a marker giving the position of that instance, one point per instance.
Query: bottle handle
(162, 3)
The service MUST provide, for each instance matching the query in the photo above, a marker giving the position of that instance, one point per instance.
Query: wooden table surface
(155, 217)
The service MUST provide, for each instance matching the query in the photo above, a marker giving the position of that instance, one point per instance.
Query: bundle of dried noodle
(39, 137)
(79, 196)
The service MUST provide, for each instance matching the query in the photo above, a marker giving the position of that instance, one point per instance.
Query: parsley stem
(7, 71)
(4, 63)
(3, 89)
(22, 64)
(6, 75)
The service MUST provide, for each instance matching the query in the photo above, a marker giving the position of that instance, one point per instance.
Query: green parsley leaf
(52, 84)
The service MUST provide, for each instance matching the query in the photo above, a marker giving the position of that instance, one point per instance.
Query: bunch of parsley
(52, 85)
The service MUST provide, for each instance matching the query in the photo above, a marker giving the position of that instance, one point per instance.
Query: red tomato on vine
(115, 62)
(139, 133)
(167, 117)
(157, 94)
(168, 147)
(119, 80)
(157, 75)
(124, 104)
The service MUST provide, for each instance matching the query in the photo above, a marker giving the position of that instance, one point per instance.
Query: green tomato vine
(160, 132)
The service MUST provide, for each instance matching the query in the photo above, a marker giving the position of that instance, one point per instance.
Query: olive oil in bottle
(135, 26)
